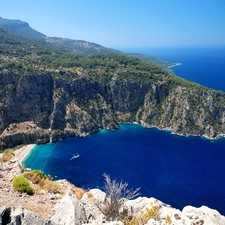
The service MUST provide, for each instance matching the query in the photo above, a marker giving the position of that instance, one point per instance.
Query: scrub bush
(7, 155)
(150, 213)
(21, 184)
(38, 178)
(52, 187)
(168, 220)
(116, 195)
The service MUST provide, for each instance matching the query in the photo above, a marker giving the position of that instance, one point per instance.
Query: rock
(20, 216)
(69, 211)
(188, 216)
(203, 215)
(38, 108)
(90, 200)
(98, 195)
(141, 203)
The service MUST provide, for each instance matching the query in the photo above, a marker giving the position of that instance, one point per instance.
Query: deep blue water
(204, 65)
(177, 170)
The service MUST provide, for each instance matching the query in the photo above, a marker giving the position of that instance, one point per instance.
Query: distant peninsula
(176, 64)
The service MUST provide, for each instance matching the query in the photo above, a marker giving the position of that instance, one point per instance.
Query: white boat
(75, 156)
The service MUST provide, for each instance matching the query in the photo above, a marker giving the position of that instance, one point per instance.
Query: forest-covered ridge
(23, 29)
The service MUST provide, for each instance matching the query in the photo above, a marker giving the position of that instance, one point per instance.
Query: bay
(177, 170)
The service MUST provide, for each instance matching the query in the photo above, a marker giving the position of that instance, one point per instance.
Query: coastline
(21, 153)
(165, 129)
(181, 134)
(177, 64)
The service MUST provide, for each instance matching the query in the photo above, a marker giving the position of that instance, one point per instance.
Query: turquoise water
(177, 170)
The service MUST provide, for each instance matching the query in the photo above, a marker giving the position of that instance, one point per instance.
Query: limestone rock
(69, 211)
(188, 216)
(20, 216)
(99, 195)
(203, 215)
(38, 108)
(90, 201)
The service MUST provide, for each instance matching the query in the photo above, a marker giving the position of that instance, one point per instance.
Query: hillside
(23, 29)
(46, 95)
(20, 28)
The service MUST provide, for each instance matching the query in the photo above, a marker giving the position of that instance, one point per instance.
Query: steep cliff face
(37, 108)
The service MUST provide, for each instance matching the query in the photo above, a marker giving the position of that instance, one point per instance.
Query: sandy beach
(23, 151)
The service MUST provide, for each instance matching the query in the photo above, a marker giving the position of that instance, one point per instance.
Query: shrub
(36, 188)
(150, 213)
(116, 195)
(38, 178)
(52, 186)
(21, 184)
(35, 176)
(168, 220)
(7, 155)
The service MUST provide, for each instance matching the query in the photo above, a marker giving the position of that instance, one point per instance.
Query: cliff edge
(38, 108)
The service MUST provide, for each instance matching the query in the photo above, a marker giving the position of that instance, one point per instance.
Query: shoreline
(22, 152)
(177, 64)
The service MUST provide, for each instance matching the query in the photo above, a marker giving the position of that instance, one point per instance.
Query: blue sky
(125, 23)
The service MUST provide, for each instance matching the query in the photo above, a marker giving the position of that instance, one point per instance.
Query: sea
(177, 170)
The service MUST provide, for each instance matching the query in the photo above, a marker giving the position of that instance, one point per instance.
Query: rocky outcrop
(188, 216)
(20, 216)
(38, 108)
(165, 214)
(69, 211)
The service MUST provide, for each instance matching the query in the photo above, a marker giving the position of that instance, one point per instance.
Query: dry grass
(41, 181)
(36, 188)
(149, 213)
(79, 192)
(168, 219)
(52, 187)
(7, 155)
(89, 195)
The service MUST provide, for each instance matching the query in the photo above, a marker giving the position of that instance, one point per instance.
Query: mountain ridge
(18, 27)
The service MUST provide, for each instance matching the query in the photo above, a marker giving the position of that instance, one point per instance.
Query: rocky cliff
(42, 107)
(71, 211)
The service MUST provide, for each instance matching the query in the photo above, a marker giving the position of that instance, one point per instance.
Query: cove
(177, 170)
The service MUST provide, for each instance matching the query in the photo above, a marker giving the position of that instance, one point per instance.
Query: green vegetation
(21, 184)
(36, 176)
(18, 55)
(42, 181)
(33, 181)
(165, 90)
(151, 59)
(22, 29)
